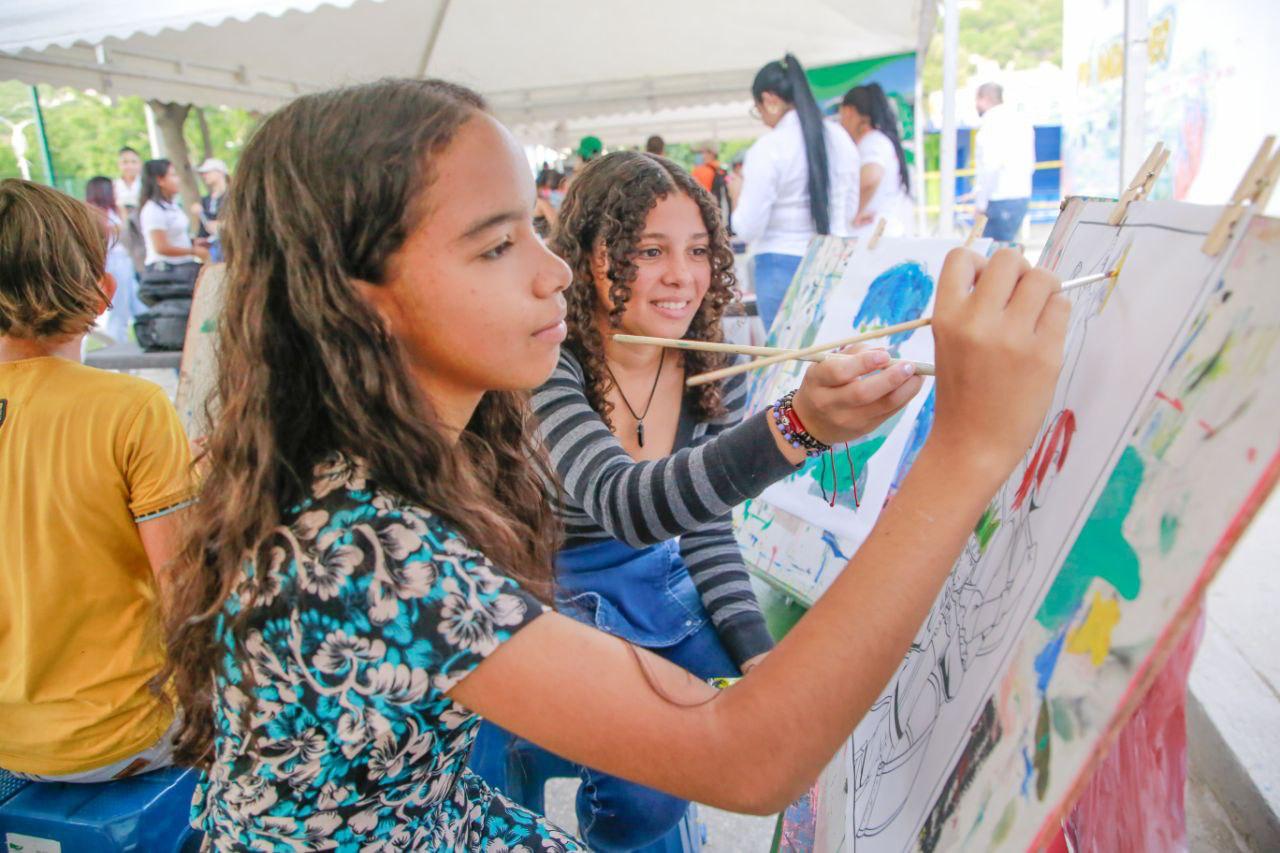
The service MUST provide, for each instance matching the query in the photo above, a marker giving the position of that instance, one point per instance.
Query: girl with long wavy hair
(372, 550)
(651, 472)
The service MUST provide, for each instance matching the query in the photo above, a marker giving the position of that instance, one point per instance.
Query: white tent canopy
(540, 64)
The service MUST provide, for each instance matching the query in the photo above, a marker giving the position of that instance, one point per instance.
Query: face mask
(555, 197)
(698, 159)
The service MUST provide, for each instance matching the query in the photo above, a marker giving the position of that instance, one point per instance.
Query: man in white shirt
(1004, 163)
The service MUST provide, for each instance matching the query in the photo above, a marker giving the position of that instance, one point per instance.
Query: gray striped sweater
(714, 466)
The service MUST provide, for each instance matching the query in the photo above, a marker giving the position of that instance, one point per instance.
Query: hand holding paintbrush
(817, 352)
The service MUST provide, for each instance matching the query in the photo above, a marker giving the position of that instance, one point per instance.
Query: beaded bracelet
(794, 433)
(792, 428)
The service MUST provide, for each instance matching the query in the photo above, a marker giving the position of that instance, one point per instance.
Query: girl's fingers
(872, 388)
(996, 285)
(835, 372)
(959, 271)
(1053, 319)
(1030, 297)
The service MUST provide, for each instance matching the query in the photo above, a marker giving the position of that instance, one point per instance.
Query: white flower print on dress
(340, 652)
(373, 604)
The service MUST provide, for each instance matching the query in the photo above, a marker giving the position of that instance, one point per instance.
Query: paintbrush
(923, 368)
(872, 334)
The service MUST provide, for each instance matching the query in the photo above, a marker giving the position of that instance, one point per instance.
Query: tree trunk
(205, 141)
(169, 121)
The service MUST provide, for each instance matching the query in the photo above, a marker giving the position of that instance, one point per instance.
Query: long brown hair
(607, 204)
(326, 192)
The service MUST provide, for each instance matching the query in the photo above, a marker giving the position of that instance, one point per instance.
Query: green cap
(589, 146)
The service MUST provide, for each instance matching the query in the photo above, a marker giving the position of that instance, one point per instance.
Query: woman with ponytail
(885, 183)
(798, 180)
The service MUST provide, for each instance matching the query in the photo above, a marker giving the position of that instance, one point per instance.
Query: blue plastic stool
(521, 771)
(142, 813)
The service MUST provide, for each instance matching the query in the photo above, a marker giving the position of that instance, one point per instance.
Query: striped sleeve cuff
(750, 457)
(744, 636)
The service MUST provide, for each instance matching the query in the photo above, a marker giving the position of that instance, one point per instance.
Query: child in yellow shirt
(94, 467)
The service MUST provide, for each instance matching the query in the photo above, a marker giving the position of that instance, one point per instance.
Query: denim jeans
(1004, 217)
(772, 273)
(643, 596)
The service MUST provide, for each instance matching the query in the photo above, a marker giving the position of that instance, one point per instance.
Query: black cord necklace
(640, 417)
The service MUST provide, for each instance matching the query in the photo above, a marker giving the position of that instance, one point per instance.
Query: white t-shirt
(1006, 157)
(127, 194)
(773, 211)
(890, 200)
(172, 220)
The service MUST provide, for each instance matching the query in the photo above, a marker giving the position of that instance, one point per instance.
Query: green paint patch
(1101, 550)
(844, 472)
(207, 326)
(1043, 751)
(1060, 714)
(1168, 532)
(986, 528)
(1001, 832)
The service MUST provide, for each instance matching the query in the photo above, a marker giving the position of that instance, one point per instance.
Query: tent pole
(153, 134)
(1133, 116)
(432, 38)
(45, 155)
(950, 46)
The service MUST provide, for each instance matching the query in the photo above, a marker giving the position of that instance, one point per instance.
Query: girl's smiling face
(673, 271)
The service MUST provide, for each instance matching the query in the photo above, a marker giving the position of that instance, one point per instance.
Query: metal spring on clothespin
(1252, 193)
(1141, 184)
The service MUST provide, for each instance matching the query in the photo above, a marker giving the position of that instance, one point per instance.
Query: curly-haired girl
(651, 471)
(373, 543)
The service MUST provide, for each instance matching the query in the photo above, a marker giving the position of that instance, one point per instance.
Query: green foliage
(86, 130)
(1014, 33)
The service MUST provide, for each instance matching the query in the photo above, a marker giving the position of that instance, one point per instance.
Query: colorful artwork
(801, 531)
(1204, 82)
(1090, 561)
(198, 373)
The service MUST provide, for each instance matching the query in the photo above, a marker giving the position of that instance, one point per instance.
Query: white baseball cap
(213, 164)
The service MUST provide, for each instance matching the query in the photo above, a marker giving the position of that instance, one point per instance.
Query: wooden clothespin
(1141, 183)
(1253, 192)
(979, 225)
(875, 235)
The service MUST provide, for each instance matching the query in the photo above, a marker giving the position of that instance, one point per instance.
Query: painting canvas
(1078, 580)
(799, 532)
(198, 371)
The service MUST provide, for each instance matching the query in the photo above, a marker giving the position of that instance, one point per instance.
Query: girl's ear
(107, 287)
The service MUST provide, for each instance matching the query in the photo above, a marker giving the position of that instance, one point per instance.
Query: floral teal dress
(332, 727)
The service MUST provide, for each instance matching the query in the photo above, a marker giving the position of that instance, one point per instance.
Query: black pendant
(640, 433)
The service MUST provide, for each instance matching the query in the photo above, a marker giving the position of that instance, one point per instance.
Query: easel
(1252, 193)
(1141, 184)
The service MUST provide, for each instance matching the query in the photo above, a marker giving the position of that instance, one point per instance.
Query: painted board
(1159, 444)
(800, 532)
(197, 374)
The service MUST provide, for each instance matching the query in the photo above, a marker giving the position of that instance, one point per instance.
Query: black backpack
(164, 327)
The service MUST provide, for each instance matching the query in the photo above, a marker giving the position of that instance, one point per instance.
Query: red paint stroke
(1172, 401)
(1207, 427)
(1055, 444)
